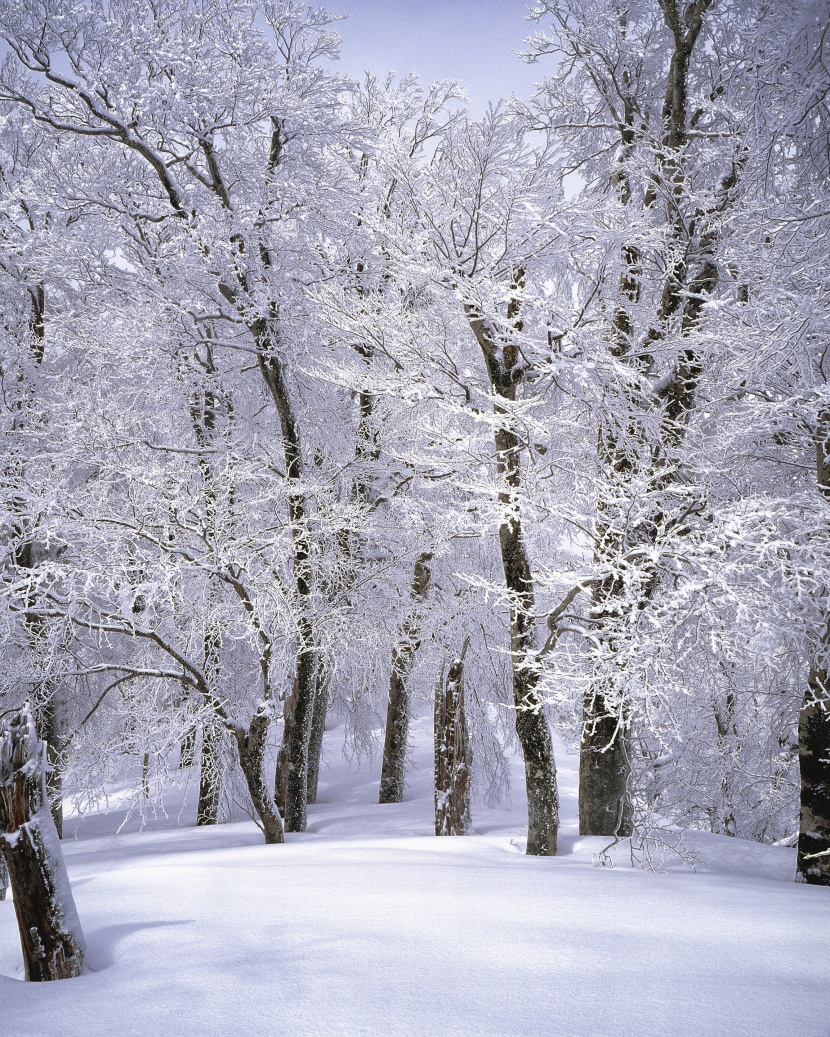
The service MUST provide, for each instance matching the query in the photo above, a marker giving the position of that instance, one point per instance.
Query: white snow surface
(370, 925)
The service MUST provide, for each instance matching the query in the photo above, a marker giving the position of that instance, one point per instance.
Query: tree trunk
(48, 722)
(397, 710)
(318, 728)
(813, 864)
(292, 761)
(50, 932)
(452, 755)
(604, 770)
(292, 764)
(814, 727)
(251, 746)
(187, 747)
(504, 368)
(210, 775)
(4, 877)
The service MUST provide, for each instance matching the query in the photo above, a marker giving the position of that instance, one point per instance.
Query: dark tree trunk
(210, 774)
(187, 747)
(251, 746)
(504, 367)
(4, 877)
(452, 755)
(397, 710)
(318, 728)
(814, 728)
(814, 758)
(604, 774)
(292, 764)
(50, 933)
(292, 761)
(604, 771)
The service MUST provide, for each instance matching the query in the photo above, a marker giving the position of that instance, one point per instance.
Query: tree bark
(505, 370)
(813, 865)
(397, 710)
(452, 754)
(318, 728)
(210, 774)
(292, 763)
(251, 746)
(50, 932)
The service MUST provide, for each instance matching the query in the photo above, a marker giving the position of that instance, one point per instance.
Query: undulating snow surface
(370, 925)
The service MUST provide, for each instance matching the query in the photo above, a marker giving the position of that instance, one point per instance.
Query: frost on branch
(50, 932)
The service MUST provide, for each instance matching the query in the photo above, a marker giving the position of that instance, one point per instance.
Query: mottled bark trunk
(604, 770)
(452, 755)
(210, 774)
(318, 728)
(50, 932)
(251, 745)
(397, 710)
(4, 877)
(292, 761)
(505, 370)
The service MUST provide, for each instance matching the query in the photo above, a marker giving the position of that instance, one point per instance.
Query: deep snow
(369, 925)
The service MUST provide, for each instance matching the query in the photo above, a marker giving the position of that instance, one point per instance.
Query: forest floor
(369, 925)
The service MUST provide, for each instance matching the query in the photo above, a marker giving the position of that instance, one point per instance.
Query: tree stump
(452, 755)
(50, 932)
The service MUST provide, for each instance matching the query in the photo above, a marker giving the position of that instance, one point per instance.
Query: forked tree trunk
(604, 769)
(452, 755)
(397, 710)
(292, 764)
(50, 932)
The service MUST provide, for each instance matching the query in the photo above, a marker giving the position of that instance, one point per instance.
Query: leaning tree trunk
(251, 745)
(50, 932)
(452, 755)
(504, 369)
(397, 710)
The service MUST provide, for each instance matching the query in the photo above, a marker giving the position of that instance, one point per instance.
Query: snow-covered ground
(369, 925)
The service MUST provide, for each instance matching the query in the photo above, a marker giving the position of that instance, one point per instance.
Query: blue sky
(470, 40)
